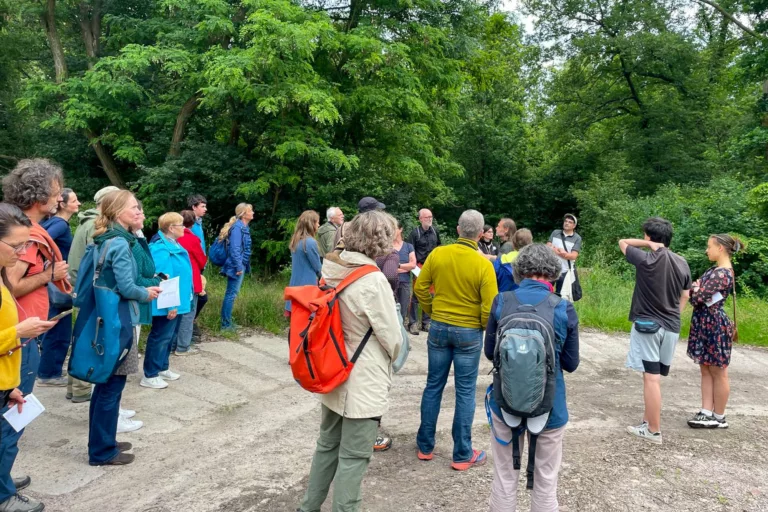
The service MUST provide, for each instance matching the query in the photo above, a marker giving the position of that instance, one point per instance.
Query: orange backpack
(317, 354)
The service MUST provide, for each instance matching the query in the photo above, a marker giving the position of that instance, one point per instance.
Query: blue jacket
(305, 265)
(567, 344)
(173, 260)
(119, 274)
(505, 280)
(197, 230)
(239, 253)
(61, 233)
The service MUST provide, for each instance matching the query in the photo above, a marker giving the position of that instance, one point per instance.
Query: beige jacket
(368, 302)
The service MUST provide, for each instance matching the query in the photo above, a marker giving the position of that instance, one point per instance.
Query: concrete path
(235, 433)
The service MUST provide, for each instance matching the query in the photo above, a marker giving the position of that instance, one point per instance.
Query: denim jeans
(9, 438)
(403, 297)
(233, 288)
(55, 346)
(183, 338)
(461, 346)
(102, 419)
(158, 351)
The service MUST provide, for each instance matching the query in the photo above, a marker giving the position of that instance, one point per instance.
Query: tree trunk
(181, 122)
(54, 41)
(90, 27)
(110, 168)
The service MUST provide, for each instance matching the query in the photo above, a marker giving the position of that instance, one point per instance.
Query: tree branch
(731, 17)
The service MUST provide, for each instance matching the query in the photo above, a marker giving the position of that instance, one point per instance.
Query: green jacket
(147, 276)
(83, 237)
(325, 236)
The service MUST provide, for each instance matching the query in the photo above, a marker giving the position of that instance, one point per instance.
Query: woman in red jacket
(198, 259)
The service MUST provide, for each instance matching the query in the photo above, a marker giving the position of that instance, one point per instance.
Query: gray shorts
(652, 353)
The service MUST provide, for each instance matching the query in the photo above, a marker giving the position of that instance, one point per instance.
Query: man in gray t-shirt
(661, 292)
(567, 245)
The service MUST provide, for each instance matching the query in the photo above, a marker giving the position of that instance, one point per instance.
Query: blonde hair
(305, 228)
(110, 208)
(239, 212)
(167, 220)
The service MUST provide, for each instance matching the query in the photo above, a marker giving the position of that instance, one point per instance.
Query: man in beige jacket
(351, 412)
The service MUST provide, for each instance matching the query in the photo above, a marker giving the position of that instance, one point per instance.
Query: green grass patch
(607, 296)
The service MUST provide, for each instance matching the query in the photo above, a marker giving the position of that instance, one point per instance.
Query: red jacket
(191, 243)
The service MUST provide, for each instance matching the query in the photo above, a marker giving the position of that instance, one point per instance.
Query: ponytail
(239, 212)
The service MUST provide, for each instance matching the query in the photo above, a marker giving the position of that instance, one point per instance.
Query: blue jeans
(55, 346)
(158, 351)
(102, 420)
(183, 338)
(461, 346)
(9, 438)
(233, 288)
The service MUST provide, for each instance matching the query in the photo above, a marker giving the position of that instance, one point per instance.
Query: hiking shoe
(701, 420)
(58, 382)
(19, 503)
(414, 329)
(169, 375)
(382, 444)
(125, 425)
(68, 395)
(121, 460)
(127, 413)
(424, 456)
(192, 351)
(643, 432)
(81, 399)
(124, 446)
(22, 482)
(425, 327)
(153, 382)
(722, 423)
(478, 459)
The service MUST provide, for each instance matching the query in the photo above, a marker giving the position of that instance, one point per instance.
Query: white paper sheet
(415, 271)
(169, 298)
(717, 297)
(31, 410)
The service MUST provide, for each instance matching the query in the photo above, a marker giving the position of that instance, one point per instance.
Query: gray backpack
(524, 369)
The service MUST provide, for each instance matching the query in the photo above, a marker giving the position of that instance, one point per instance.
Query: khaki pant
(78, 388)
(344, 448)
(549, 455)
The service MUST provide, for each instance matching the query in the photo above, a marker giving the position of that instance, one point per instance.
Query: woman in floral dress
(712, 332)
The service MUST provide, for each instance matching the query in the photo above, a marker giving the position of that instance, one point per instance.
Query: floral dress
(711, 336)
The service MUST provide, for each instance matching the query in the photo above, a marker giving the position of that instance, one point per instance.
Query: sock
(719, 416)
(706, 412)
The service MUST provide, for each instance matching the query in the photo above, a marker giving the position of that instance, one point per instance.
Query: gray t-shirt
(572, 244)
(506, 248)
(661, 278)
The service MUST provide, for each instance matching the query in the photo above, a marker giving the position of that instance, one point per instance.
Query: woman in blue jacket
(172, 260)
(305, 256)
(238, 259)
(119, 211)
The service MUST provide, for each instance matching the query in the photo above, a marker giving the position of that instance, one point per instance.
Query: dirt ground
(235, 433)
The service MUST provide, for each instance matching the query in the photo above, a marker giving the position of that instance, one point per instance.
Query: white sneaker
(643, 432)
(128, 425)
(169, 375)
(154, 383)
(127, 413)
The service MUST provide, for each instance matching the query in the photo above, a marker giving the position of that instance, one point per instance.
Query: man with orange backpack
(355, 390)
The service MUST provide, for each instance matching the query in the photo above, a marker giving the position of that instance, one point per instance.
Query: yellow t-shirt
(10, 365)
(510, 257)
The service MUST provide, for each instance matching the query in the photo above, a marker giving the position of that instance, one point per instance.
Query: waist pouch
(647, 326)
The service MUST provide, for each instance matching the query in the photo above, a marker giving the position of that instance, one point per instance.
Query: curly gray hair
(537, 260)
(32, 181)
(370, 233)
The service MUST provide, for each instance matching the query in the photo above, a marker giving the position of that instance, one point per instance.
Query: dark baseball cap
(368, 204)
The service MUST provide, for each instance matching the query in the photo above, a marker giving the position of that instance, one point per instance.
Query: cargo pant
(344, 448)
(549, 455)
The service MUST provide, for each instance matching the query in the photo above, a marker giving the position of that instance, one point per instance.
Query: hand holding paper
(31, 410)
(169, 298)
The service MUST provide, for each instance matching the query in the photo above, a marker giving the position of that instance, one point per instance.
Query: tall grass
(607, 296)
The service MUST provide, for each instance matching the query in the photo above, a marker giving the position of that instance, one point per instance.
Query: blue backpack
(219, 251)
(103, 332)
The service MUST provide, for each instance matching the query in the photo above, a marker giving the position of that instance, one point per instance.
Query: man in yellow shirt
(465, 286)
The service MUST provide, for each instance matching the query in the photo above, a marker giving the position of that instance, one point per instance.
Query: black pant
(202, 300)
(559, 283)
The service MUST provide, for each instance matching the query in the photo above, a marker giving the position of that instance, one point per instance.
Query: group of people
(41, 259)
(464, 309)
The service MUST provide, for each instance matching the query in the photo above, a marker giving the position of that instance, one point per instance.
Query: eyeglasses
(177, 225)
(18, 249)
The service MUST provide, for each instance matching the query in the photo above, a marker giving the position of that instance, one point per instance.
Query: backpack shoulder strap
(565, 247)
(99, 263)
(355, 275)
(554, 300)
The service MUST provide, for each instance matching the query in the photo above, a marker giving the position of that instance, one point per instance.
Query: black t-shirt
(661, 278)
(423, 242)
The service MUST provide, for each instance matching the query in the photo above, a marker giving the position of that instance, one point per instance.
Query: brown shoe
(121, 460)
(414, 329)
(124, 447)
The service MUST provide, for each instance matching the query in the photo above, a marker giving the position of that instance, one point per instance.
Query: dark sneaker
(414, 329)
(382, 444)
(723, 423)
(22, 482)
(121, 460)
(701, 420)
(69, 395)
(81, 399)
(19, 503)
(124, 446)
(425, 327)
